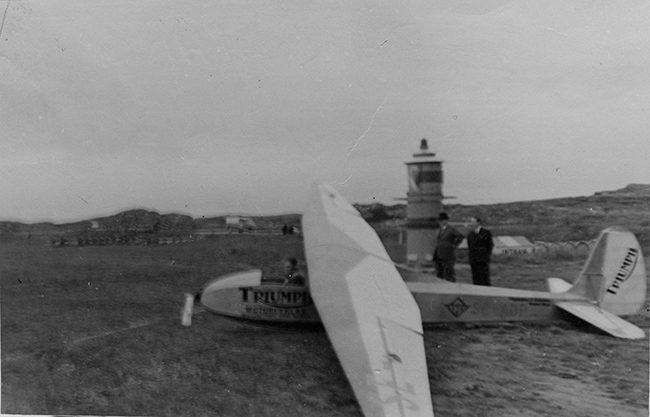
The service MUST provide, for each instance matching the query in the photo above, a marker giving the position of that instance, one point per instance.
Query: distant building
(240, 223)
(507, 245)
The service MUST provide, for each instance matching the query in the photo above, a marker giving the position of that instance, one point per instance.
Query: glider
(373, 313)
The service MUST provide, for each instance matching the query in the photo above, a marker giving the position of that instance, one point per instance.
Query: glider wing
(370, 316)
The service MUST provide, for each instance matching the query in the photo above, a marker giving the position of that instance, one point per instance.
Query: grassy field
(96, 330)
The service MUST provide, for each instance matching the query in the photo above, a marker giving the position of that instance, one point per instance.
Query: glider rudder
(614, 276)
(612, 283)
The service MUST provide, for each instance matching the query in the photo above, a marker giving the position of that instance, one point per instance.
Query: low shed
(507, 245)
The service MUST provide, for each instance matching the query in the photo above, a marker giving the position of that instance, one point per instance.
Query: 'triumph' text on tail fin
(615, 274)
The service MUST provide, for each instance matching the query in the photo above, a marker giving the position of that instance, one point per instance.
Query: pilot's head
(290, 265)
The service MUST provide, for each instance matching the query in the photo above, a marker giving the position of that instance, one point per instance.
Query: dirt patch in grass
(535, 371)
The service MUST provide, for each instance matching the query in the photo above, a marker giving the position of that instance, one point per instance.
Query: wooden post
(186, 318)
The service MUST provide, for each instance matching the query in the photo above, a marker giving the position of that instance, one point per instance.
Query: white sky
(212, 107)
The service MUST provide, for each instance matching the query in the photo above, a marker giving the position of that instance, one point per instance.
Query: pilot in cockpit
(293, 275)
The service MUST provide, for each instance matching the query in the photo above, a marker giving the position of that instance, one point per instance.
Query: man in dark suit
(444, 256)
(480, 245)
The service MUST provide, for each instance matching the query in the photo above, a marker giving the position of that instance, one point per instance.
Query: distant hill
(631, 200)
(137, 221)
(570, 218)
(560, 219)
(271, 221)
(377, 212)
(632, 190)
(629, 203)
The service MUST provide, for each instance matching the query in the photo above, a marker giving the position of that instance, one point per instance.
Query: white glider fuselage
(612, 283)
(439, 302)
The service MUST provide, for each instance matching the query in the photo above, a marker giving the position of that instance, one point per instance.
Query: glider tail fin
(611, 284)
(614, 276)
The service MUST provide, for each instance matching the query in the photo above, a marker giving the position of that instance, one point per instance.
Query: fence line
(139, 240)
(579, 245)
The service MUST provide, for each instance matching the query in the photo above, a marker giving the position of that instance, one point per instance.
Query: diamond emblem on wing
(457, 307)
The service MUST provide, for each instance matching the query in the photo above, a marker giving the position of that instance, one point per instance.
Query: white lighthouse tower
(424, 204)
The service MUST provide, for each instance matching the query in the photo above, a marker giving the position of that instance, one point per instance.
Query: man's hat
(443, 216)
